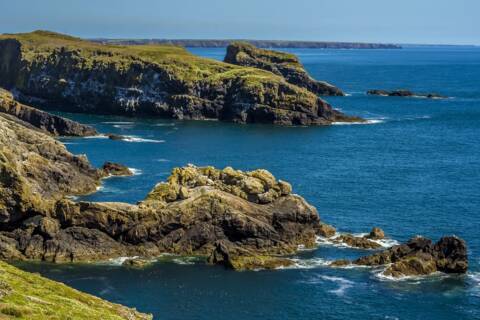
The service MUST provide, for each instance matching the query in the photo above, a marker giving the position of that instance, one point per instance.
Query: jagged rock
(36, 171)
(115, 169)
(419, 256)
(280, 63)
(376, 234)
(404, 93)
(356, 242)
(189, 214)
(136, 263)
(116, 137)
(326, 230)
(55, 125)
(340, 263)
(51, 70)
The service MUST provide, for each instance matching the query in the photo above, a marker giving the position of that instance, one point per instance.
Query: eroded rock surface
(55, 125)
(51, 70)
(255, 216)
(420, 256)
(283, 64)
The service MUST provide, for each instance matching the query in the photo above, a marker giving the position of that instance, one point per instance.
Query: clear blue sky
(400, 21)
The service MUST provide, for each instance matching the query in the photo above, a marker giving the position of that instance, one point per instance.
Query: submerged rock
(137, 263)
(280, 63)
(420, 256)
(376, 234)
(356, 242)
(116, 169)
(55, 125)
(404, 93)
(54, 70)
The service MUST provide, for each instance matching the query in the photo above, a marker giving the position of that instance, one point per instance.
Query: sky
(387, 21)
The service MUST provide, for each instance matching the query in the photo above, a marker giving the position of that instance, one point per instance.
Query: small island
(405, 93)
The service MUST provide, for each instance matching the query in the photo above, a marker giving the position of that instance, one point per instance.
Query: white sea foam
(475, 279)
(368, 121)
(380, 274)
(138, 139)
(308, 263)
(123, 126)
(385, 243)
(163, 160)
(343, 284)
(98, 136)
(120, 260)
(136, 172)
(100, 188)
(165, 124)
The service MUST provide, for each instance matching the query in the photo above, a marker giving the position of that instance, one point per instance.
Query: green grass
(177, 60)
(26, 295)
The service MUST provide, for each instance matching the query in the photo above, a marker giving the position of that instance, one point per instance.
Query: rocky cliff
(55, 125)
(225, 215)
(243, 220)
(56, 71)
(282, 64)
(25, 295)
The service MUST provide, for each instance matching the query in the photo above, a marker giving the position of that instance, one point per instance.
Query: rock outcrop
(25, 295)
(51, 70)
(404, 93)
(55, 125)
(254, 216)
(115, 169)
(283, 64)
(419, 256)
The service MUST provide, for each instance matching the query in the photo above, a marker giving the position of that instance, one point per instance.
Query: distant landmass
(205, 43)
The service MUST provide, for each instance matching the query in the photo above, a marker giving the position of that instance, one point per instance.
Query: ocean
(414, 169)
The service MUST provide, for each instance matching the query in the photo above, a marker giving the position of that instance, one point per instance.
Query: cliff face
(227, 215)
(53, 70)
(282, 64)
(55, 125)
(35, 171)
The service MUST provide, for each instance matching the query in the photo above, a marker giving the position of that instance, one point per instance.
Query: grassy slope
(26, 295)
(184, 64)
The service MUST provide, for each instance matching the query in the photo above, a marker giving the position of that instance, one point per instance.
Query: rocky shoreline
(56, 71)
(242, 220)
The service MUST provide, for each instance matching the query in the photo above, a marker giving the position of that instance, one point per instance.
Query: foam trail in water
(98, 136)
(138, 139)
(163, 160)
(369, 121)
(165, 124)
(136, 172)
(343, 284)
(120, 260)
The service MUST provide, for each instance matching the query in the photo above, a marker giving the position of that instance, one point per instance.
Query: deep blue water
(414, 170)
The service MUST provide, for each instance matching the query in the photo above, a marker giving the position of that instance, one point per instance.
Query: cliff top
(185, 64)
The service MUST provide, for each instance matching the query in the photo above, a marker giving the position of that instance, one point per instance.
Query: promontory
(56, 71)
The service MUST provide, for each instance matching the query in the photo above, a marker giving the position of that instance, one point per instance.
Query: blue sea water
(415, 169)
